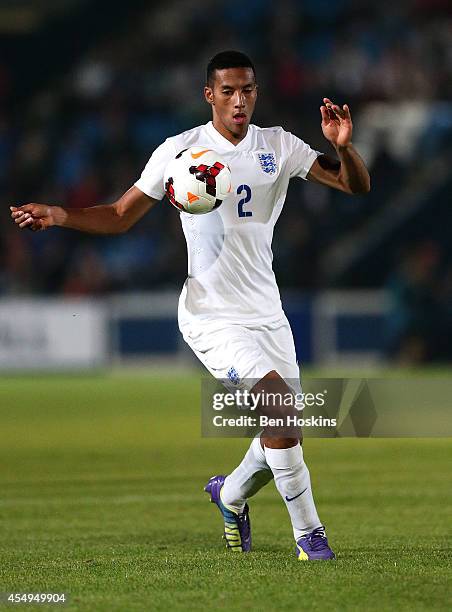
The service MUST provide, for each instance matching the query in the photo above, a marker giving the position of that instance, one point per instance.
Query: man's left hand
(337, 126)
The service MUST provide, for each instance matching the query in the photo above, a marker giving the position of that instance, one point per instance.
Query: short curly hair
(227, 59)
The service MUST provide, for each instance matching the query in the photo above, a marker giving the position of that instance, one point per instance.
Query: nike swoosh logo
(292, 498)
(196, 155)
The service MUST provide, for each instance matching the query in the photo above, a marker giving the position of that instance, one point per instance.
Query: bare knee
(273, 442)
(279, 437)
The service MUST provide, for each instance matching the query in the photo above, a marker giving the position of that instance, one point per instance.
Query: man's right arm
(113, 218)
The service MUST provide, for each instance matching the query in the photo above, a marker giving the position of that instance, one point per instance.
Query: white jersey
(230, 275)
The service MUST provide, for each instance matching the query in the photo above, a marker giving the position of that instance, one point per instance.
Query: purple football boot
(237, 527)
(314, 546)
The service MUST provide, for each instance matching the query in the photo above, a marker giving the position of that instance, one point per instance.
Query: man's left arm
(348, 173)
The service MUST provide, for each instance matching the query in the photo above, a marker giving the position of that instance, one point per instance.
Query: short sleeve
(151, 179)
(301, 156)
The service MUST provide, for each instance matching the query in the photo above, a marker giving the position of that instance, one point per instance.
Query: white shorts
(241, 355)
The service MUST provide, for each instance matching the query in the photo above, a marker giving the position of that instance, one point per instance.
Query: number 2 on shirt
(247, 198)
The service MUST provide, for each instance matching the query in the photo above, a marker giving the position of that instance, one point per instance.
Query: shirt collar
(224, 142)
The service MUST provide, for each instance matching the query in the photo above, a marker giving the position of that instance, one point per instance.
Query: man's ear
(208, 95)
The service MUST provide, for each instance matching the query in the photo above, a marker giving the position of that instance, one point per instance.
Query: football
(197, 180)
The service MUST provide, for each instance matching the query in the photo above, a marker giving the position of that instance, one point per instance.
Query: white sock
(247, 478)
(294, 485)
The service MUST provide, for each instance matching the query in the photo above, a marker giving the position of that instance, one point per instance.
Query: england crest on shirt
(267, 162)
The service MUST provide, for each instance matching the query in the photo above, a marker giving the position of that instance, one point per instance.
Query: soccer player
(230, 311)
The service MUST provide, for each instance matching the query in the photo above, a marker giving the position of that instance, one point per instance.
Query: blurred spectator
(416, 321)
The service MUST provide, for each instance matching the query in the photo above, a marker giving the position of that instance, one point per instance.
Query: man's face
(232, 96)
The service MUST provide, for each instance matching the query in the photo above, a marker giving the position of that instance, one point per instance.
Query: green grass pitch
(101, 484)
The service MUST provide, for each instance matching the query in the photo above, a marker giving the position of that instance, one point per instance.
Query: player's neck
(234, 137)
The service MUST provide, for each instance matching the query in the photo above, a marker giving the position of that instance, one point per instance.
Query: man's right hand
(34, 216)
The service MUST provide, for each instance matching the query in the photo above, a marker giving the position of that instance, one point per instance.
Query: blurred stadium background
(89, 88)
